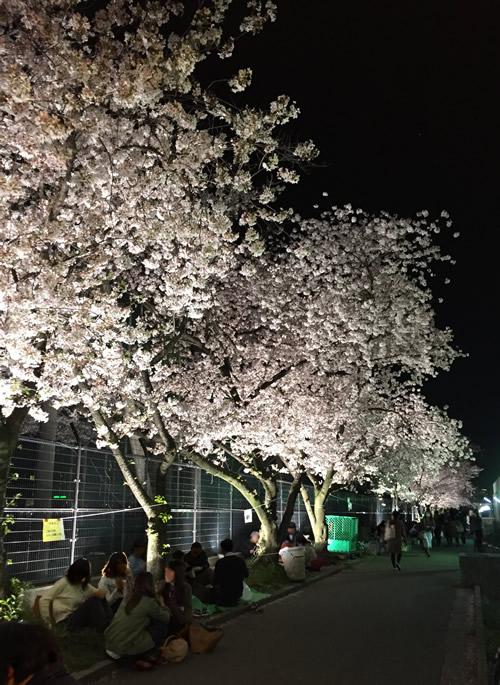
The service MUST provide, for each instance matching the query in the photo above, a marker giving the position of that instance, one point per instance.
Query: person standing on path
(440, 524)
(476, 529)
(395, 533)
(427, 529)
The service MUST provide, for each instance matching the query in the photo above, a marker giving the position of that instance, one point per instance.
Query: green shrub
(11, 606)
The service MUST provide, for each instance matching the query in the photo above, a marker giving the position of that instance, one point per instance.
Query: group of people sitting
(136, 614)
(294, 538)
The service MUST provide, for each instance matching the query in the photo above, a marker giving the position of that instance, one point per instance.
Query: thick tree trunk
(268, 543)
(293, 493)
(316, 510)
(157, 545)
(10, 429)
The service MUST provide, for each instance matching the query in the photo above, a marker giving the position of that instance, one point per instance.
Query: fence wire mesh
(101, 515)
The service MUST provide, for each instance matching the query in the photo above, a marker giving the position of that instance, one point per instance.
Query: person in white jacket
(117, 581)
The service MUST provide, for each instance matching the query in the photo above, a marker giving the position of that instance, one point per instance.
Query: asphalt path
(368, 625)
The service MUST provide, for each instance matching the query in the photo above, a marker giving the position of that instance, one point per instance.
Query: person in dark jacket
(291, 534)
(29, 654)
(250, 547)
(177, 596)
(476, 529)
(197, 566)
(230, 572)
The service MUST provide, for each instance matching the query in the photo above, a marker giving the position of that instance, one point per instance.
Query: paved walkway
(368, 625)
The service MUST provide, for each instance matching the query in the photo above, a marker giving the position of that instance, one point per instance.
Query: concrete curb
(99, 670)
(104, 668)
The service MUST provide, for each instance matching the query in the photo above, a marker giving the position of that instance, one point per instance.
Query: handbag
(174, 651)
(390, 532)
(202, 640)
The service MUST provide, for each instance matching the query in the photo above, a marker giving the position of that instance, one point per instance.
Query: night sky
(402, 98)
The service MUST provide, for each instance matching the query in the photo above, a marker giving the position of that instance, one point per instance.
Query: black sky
(403, 100)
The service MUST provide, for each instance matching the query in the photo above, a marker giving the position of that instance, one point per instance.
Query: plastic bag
(247, 593)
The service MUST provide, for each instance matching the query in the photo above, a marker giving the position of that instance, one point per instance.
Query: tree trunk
(395, 498)
(268, 543)
(320, 530)
(316, 510)
(293, 493)
(156, 510)
(157, 545)
(9, 433)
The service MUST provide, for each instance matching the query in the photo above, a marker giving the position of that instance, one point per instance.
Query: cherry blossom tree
(449, 488)
(371, 305)
(286, 368)
(419, 448)
(127, 186)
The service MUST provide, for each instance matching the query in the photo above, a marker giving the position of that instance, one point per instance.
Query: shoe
(398, 567)
(142, 665)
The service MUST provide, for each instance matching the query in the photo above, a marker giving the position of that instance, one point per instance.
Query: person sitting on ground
(117, 580)
(140, 626)
(73, 602)
(250, 548)
(137, 560)
(229, 574)
(197, 565)
(283, 551)
(291, 535)
(313, 561)
(30, 654)
(177, 596)
(179, 555)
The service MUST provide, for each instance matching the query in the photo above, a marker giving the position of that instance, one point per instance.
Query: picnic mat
(215, 608)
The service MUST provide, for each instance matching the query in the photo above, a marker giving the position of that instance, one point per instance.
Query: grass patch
(267, 576)
(80, 650)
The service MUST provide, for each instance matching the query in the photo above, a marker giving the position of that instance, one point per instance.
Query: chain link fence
(85, 488)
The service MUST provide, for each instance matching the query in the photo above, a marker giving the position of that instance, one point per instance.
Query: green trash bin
(342, 533)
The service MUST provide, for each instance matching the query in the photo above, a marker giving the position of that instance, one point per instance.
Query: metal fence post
(75, 503)
(231, 512)
(197, 484)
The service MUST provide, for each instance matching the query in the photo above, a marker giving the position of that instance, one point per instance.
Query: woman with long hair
(72, 601)
(140, 626)
(177, 596)
(427, 527)
(395, 533)
(116, 580)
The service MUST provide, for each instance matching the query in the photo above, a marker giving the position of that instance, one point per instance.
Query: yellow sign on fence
(53, 529)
